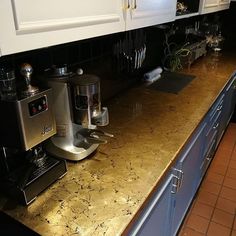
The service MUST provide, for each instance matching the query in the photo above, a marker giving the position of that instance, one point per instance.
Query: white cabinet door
(27, 24)
(211, 3)
(222, 2)
(208, 6)
(142, 13)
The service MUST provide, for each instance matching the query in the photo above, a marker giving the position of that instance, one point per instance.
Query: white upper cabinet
(142, 13)
(27, 24)
(208, 6)
(227, 2)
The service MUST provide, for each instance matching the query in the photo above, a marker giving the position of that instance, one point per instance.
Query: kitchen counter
(101, 194)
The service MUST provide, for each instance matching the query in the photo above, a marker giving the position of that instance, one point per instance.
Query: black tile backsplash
(96, 55)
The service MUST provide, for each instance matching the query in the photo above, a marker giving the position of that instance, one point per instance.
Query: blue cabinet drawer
(213, 123)
(216, 107)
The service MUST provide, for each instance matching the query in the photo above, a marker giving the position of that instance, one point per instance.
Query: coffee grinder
(26, 122)
(78, 112)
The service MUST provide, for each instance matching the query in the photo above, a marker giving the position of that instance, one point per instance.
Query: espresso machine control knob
(26, 70)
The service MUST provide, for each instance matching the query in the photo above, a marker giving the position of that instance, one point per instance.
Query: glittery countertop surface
(101, 194)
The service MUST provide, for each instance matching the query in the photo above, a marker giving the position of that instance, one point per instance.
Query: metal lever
(26, 70)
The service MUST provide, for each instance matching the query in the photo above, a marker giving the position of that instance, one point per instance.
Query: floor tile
(211, 187)
(207, 198)
(234, 227)
(217, 230)
(227, 143)
(226, 205)
(228, 193)
(218, 168)
(233, 155)
(223, 218)
(197, 223)
(215, 178)
(222, 154)
(230, 183)
(233, 233)
(231, 173)
(190, 232)
(232, 164)
(231, 130)
(203, 210)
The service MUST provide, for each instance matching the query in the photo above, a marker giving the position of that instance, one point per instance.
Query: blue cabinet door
(229, 104)
(188, 165)
(155, 220)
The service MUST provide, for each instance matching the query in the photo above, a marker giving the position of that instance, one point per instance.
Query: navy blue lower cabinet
(166, 209)
(228, 106)
(155, 220)
(187, 172)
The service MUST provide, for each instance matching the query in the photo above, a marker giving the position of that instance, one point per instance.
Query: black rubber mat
(11, 227)
(171, 82)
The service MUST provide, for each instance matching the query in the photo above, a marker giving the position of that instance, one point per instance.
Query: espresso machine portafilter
(78, 112)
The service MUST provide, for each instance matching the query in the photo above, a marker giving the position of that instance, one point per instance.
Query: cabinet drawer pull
(219, 108)
(178, 180)
(174, 189)
(175, 185)
(215, 126)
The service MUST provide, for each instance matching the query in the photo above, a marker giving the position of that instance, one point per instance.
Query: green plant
(174, 54)
(175, 58)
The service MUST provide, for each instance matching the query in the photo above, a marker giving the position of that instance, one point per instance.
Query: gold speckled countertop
(101, 194)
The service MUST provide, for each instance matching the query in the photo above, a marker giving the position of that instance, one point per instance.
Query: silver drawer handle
(219, 108)
(175, 185)
(214, 127)
(178, 180)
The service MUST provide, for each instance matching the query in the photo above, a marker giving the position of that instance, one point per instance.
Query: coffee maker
(26, 122)
(78, 112)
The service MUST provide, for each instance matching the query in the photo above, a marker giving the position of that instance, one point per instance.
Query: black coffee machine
(26, 121)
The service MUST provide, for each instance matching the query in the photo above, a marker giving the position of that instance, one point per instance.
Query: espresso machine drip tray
(27, 182)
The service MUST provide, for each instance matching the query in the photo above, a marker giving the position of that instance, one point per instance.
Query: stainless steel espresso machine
(26, 122)
(78, 112)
